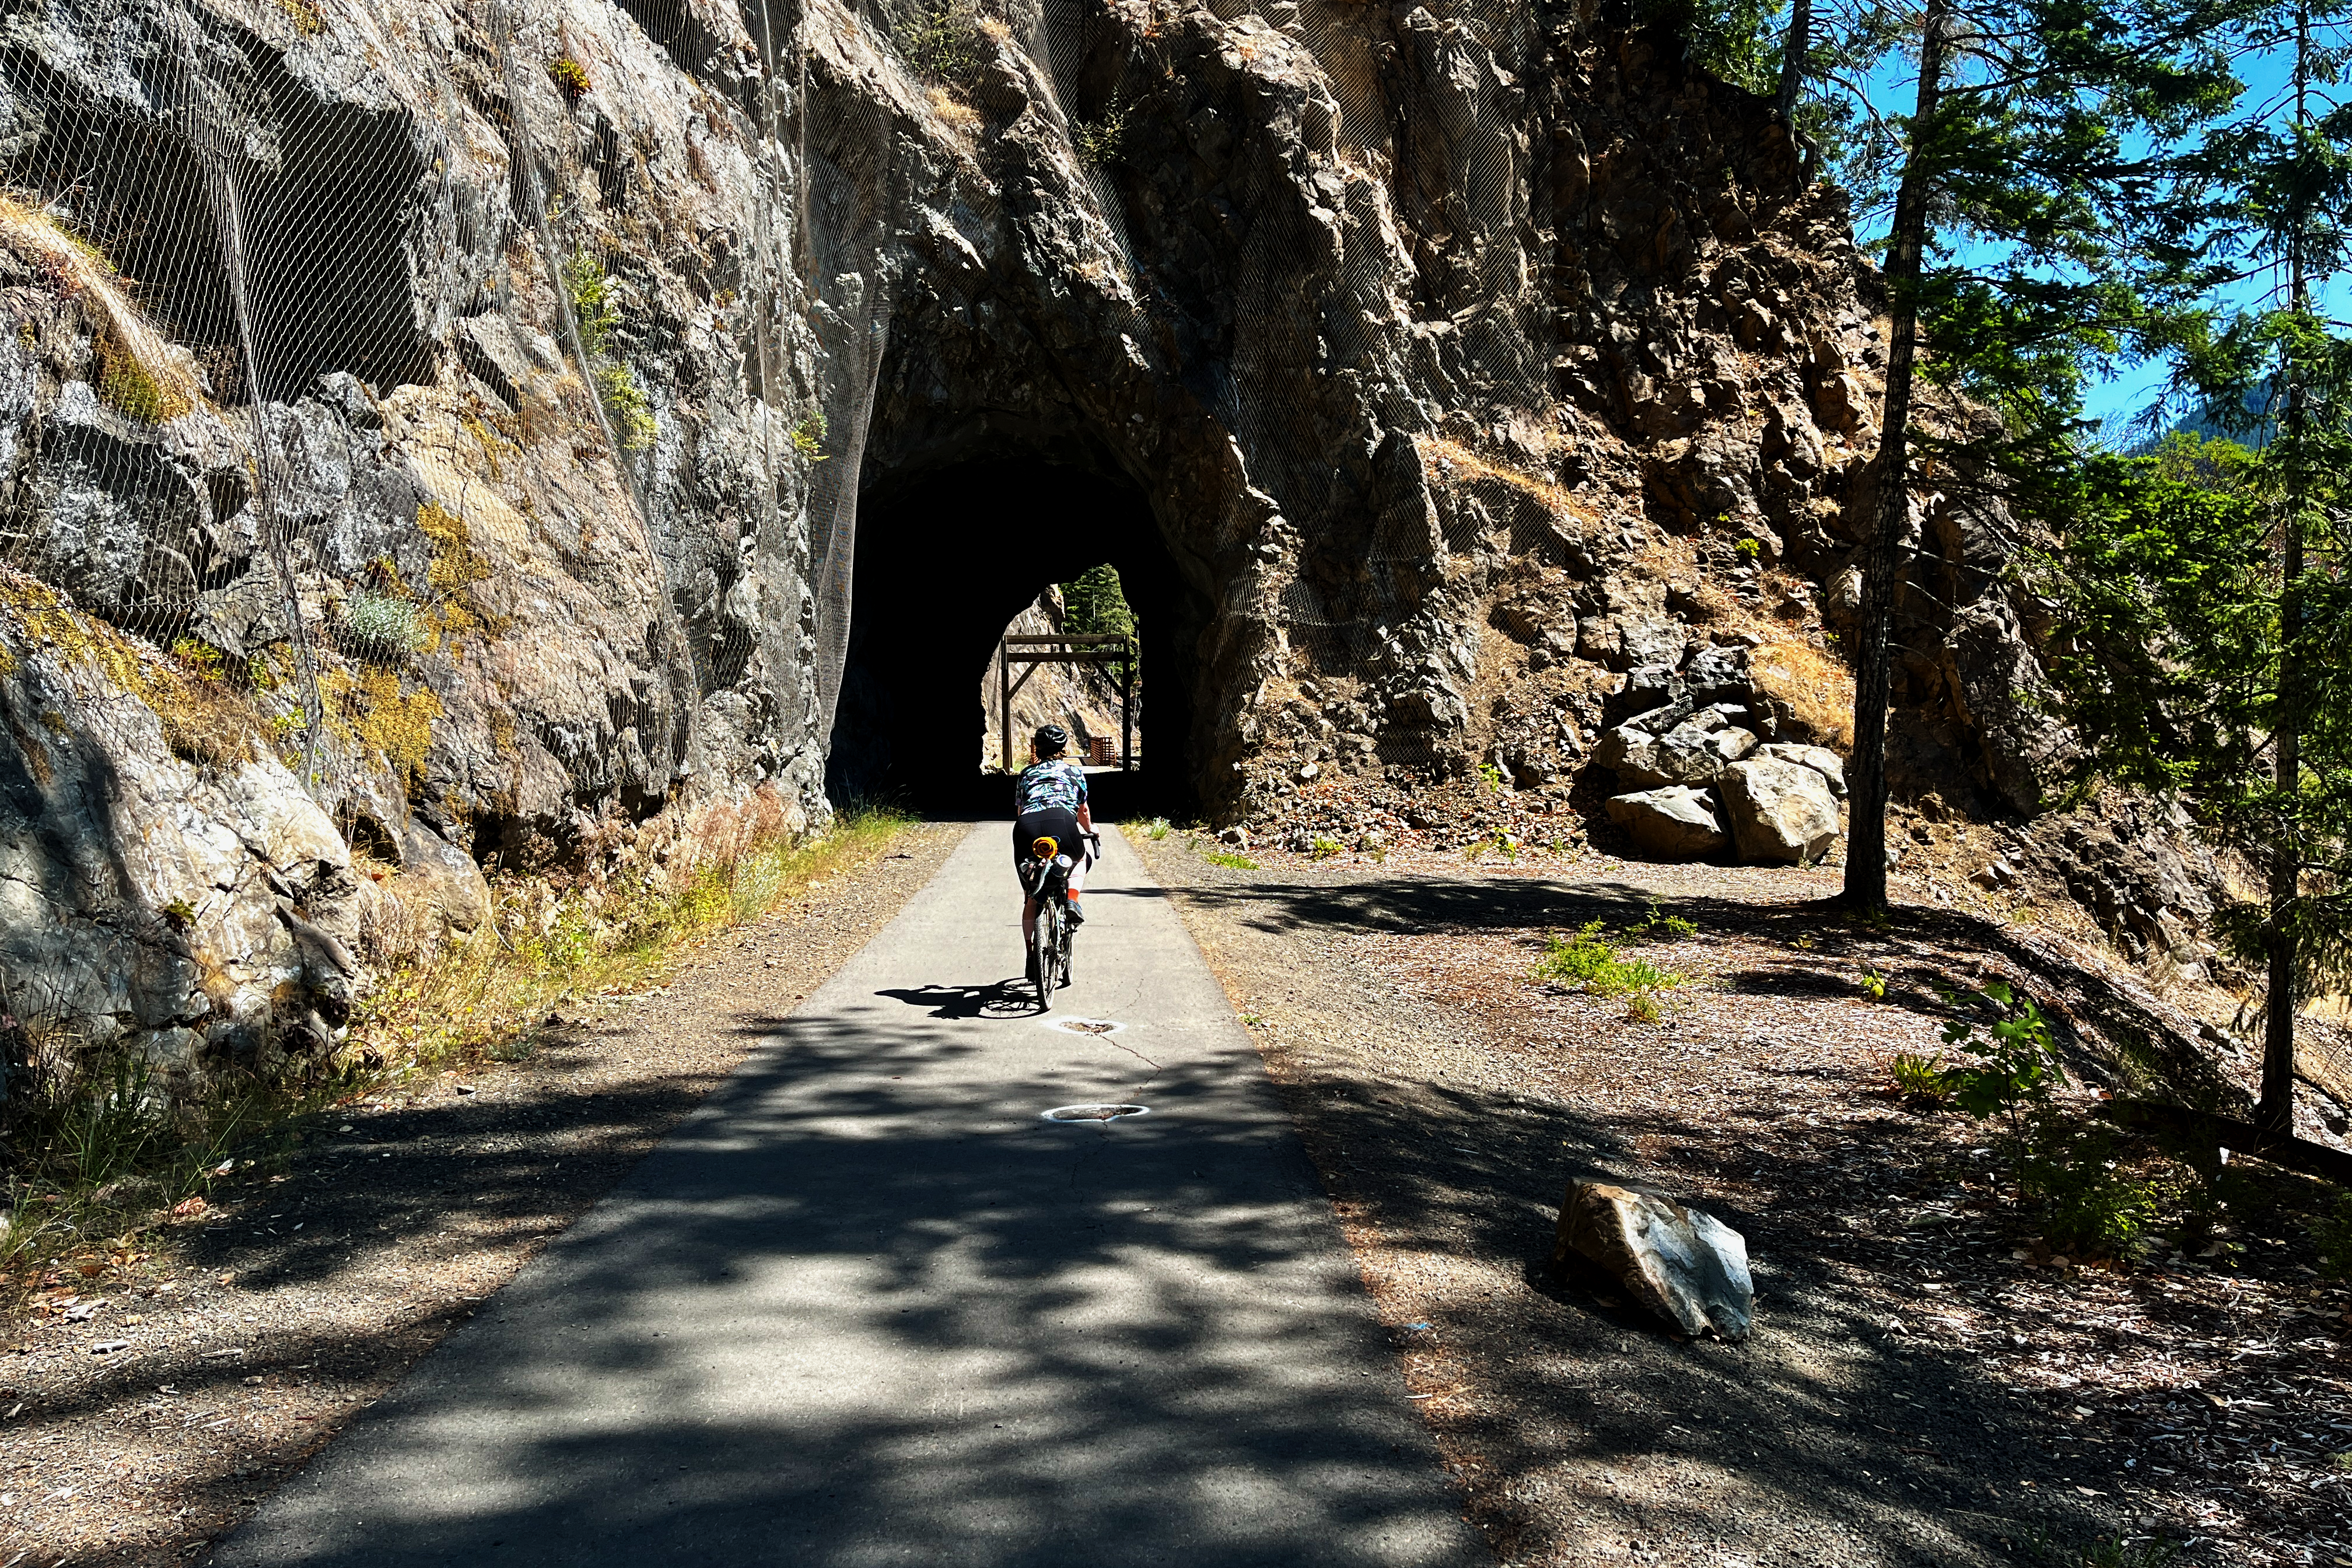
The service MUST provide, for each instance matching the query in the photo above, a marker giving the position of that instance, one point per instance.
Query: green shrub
(1229, 860)
(1589, 963)
(1104, 140)
(808, 435)
(1157, 830)
(942, 40)
(593, 306)
(1325, 848)
(1920, 1080)
(381, 625)
(625, 401)
(2103, 1554)
(2017, 1061)
(2332, 1238)
(570, 76)
(199, 656)
(1658, 925)
(1873, 984)
(1497, 842)
(2088, 1202)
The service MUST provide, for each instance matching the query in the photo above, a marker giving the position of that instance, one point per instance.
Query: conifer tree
(2034, 233)
(2210, 604)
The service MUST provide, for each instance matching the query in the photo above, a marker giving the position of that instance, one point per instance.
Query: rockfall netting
(257, 229)
(249, 230)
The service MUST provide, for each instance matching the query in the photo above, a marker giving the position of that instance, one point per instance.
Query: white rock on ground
(1780, 811)
(1683, 1264)
(1677, 822)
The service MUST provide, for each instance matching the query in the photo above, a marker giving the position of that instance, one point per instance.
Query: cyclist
(1050, 802)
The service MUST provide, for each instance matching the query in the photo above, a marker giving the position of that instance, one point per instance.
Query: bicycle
(1046, 876)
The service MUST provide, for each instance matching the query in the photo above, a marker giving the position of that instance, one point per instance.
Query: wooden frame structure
(1066, 648)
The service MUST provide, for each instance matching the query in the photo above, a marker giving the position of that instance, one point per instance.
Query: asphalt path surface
(868, 1306)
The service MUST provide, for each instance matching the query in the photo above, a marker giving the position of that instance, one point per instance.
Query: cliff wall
(449, 439)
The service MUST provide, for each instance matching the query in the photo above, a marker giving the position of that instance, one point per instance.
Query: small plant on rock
(381, 625)
(1102, 141)
(1873, 984)
(570, 76)
(632, 412)
(199, 656)
(593, 306)
(808, 435)
(943, 41)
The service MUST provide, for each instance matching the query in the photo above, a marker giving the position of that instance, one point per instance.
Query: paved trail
(865, 1308)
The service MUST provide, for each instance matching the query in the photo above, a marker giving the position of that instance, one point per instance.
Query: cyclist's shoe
(1078, 915)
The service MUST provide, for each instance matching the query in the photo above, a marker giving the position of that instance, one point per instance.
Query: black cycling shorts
(1058, 823)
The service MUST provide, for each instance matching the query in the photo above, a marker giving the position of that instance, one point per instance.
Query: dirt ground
(1927, 1383)
(139, 1424)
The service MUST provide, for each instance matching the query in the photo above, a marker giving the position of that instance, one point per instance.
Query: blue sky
(2126, 389)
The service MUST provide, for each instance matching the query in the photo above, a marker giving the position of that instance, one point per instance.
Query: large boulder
(1820, 759)
(1674, 747)
(1631, 753)
(1676, 823)
(1687, 1265)
(1698, 750)
(1644, 691)
(1781, 812)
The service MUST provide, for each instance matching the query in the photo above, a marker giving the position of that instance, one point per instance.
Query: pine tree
(2034, 235)
(2210, 607)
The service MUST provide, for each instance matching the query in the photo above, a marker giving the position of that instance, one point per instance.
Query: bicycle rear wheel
(1045, 953)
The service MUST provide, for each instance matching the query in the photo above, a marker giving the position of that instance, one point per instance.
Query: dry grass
(1818, 688)
(1469, 463)
(474, 997)
(950, 111)
(100, 1155)
(140, 372)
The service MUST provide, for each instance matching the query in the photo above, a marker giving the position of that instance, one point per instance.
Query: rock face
(1675, 823)
(508, 408)
(1780, 811)
(1687, 1267)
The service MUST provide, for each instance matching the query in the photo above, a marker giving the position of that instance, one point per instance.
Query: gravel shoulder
(1929, 1384)
(140, 1425)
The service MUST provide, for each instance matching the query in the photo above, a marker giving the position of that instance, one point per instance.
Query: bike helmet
(1051, 740)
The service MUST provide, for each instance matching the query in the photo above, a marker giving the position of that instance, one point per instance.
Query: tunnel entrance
(943, 565)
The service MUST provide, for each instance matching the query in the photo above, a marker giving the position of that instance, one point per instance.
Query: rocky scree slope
(1482, 370)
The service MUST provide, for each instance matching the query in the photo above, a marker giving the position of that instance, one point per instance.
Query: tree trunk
(1793, 61)
(2274, 1112)
(1866, 853)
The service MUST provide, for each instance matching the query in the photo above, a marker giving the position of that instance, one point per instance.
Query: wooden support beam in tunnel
(1075, 649)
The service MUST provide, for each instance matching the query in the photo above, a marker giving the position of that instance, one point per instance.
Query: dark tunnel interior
(943, 563)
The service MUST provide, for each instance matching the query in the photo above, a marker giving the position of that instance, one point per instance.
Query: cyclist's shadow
(1003, 999)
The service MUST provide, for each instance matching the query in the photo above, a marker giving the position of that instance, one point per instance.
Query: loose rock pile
(1705, 773)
